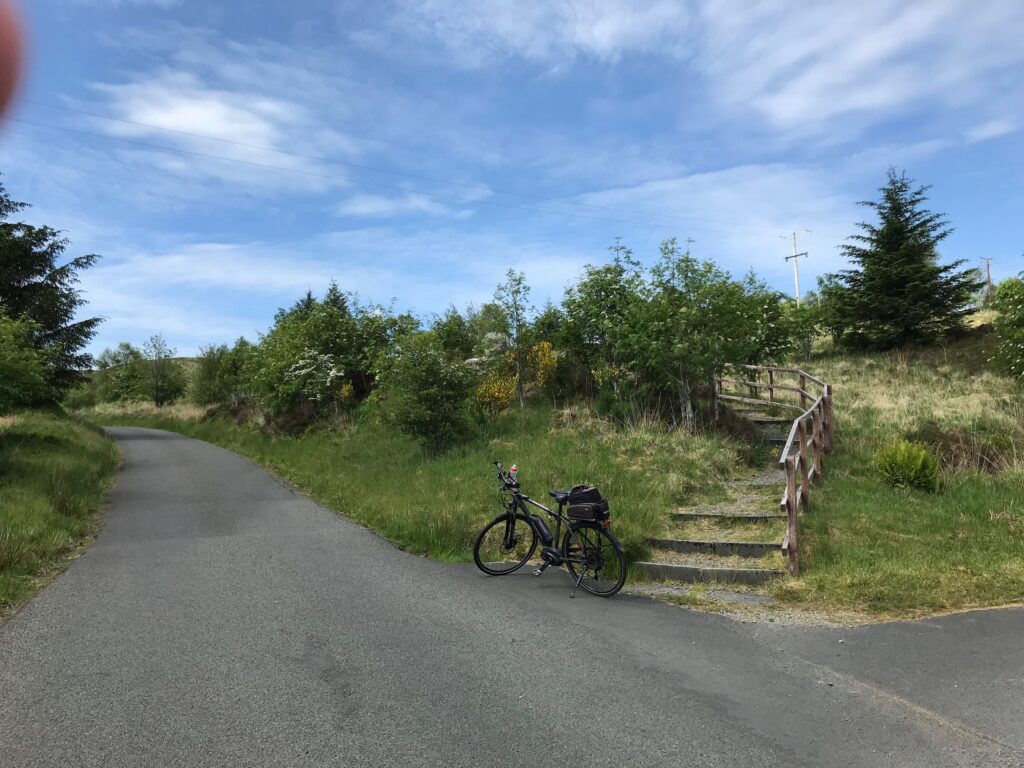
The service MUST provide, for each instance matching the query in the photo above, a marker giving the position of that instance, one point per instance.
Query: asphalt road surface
(220, 619)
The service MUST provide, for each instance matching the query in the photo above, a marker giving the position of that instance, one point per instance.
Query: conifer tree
(36, 286)
(898, 293)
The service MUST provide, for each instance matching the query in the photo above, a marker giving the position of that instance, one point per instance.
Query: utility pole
(689, 241)
(988, 280)
(796, 269)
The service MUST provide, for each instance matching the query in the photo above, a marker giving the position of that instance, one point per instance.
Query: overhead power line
(374, 169)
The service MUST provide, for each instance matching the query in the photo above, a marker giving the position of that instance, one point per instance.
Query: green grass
(867, 546)
(55, 471)
(435, 504)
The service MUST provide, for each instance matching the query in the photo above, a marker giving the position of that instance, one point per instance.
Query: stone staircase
(736, 541)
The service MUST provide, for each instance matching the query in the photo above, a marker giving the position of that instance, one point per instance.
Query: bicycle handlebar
(507, 480)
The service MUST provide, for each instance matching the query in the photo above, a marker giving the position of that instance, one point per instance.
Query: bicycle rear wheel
(504, 545)
(596, 553)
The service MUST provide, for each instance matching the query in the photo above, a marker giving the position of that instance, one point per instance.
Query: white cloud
(247, 128)
(808, 68)
(379, 206)
(545, 31)
(993, 129)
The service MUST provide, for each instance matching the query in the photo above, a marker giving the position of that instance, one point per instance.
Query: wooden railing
(809, 440)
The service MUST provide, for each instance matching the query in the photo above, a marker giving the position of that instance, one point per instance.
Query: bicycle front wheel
(597, 554)
(505, 545)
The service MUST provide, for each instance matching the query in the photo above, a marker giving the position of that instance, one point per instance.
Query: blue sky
(418, 149)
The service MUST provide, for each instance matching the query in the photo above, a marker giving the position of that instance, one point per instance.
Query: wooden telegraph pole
(796, 270)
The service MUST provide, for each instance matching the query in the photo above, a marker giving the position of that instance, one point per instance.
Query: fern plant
(909, 465)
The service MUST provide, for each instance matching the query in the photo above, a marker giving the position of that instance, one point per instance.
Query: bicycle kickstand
(577, 584)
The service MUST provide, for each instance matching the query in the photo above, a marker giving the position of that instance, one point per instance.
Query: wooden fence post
(771, 385)
(828, 418)
(791, 510)
(818, 433)
(805, 482)
(803, 388)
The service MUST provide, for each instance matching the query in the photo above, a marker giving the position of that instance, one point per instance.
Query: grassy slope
(54, 475)
(435, 504)
(870, 547)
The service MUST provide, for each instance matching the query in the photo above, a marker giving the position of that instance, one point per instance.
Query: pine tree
(34, 286)
(899, 293)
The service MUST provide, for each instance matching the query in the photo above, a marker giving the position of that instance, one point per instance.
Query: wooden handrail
(811, 434)
(776, 369)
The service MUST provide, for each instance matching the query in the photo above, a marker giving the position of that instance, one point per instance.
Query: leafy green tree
(235, 370)
(454, 335)
(208, 384)
(832, 305)
(377, 330)
(548, 325)
(898, 293)
(1009, 326)
(36, 286)
(121, 374)
(424, 393)
(485, 323)
(165, 377)
(513, 296)
(695, 320)
(23, 368)
(598, 311)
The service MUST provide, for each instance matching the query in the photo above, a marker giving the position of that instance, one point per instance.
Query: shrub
(424, 393)
(494, 393)
(1009, 326)
(23, 369)
(908, 465)
(82, 396)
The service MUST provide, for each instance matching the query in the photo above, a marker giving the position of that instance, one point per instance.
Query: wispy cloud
(379, 206)
(545, 31)
(802, 67)
(992, 129)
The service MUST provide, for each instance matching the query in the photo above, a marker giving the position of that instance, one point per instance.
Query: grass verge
(55, 472)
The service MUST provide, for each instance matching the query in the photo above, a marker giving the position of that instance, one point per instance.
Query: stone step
(771, 420)
(735, 548)
(731, 515)
(708, 573)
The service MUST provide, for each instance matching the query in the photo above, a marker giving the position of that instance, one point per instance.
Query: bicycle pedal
(538, 571)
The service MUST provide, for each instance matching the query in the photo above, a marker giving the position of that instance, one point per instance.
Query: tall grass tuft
(54, 474)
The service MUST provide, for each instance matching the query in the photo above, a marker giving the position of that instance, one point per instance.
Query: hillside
(871, 547)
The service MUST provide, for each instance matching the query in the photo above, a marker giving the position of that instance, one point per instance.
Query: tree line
(624, 336)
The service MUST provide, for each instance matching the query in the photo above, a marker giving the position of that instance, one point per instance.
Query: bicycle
(589, 550)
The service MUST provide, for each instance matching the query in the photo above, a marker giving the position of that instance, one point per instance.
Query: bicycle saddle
(560, 496)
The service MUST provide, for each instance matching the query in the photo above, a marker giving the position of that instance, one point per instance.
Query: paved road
(221, 620)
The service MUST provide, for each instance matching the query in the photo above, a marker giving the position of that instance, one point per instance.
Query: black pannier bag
(586, 503)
